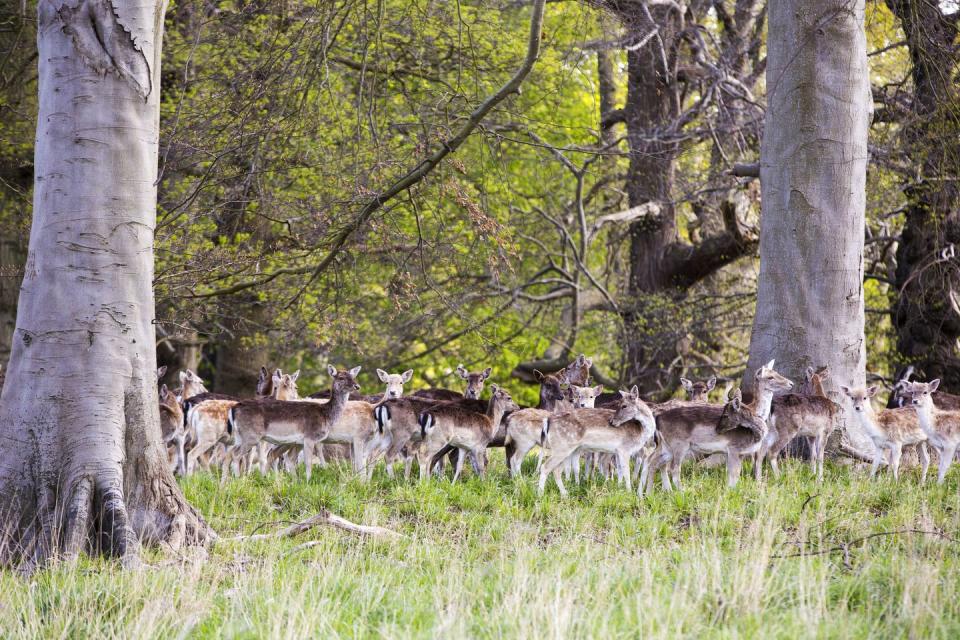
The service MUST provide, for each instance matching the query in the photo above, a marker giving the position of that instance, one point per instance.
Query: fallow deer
(811, 415)
(942, 426)
(473, 391)
(524, 426)
(171, 427)
(283, 422)
(733, 429)
(394, 382)
(190, 385)
(622, 433)
(890, 430)
(451, 424)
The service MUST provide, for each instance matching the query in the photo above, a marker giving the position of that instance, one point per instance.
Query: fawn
(283, 422)
(451, 424)
(890, 430)
(942, 426)
(622, 433)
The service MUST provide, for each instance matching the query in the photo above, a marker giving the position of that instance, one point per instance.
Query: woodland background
(599, 210)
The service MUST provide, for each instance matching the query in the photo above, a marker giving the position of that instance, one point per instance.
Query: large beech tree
(82, 466)
(813, 174)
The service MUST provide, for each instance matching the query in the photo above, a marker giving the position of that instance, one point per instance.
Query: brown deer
(622, 433)
(941, 426)
(171, 427)
(284, 422)
(524, 426)
(469, 432)
(890, 430)
(734, 429)
(811, 415)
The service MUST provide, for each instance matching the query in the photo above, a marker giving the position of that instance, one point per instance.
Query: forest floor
(489, 559)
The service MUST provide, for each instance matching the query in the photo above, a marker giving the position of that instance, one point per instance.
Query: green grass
(488, 558)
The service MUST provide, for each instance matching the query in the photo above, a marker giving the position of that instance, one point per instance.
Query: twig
(324, 518)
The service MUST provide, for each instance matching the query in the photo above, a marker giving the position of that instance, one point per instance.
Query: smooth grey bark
(813, 165)
(82, 467)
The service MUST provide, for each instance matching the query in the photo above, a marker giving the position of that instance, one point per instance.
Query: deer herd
(580, 430)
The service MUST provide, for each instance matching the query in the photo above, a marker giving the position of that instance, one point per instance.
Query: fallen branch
(324, 518)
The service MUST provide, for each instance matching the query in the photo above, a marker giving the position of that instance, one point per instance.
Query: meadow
(488, 558)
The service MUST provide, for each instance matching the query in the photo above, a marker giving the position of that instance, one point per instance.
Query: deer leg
(816, 455)
(946, 459)
(924, 456)
(552, 465)
(308, 445)
(623, 468)
(896, 451)
(733, 469)
(877, 458)
(461, 454)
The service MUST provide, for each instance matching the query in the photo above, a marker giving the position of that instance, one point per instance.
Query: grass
(489, 559)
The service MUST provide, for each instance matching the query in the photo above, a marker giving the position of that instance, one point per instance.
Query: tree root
(324, 518)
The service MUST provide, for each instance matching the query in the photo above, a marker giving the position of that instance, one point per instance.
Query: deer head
(474, 381)
(344, 382)
(577, 372)
(737, 415)
(697, 391)
(859, 398)
(585, 397)
(285, 385)
(768, 379)
(551, 390)
(632, 407)
(394, 382)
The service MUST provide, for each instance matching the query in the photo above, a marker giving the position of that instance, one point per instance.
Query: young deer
(942, 426)
(734, 429)
(451, 424)
(190, 385)
(891, 430)
(811, 415)
(524, 426)
(171, 426)
(622, 433)
(698, 391)
(279, 422)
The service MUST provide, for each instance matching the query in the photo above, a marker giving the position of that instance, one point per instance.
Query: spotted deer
(469, 432)
(524, 426)
(172, 429)
(890, 430)
(622, 433)
(941, 426)
(733, 429)
(810, 415)
(284, 422)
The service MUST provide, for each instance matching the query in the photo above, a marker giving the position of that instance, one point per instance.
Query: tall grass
(488, 558)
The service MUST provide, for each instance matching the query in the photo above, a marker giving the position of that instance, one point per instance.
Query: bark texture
(82, 465)
(813, 175)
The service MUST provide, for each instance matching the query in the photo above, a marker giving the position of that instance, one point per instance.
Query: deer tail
(545, 433)
(382, 414)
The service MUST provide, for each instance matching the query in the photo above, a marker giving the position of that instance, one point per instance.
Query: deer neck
(927, 416)
(868, 420)
(547, 403)
(337, 403)
(818, 388)
(495, 411)
(763, 402)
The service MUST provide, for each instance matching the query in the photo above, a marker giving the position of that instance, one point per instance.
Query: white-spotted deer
(890, 430)
(284, 422)
(469, 432)
(733, 429)
(524, 426)
(622, 433)
(942, 426)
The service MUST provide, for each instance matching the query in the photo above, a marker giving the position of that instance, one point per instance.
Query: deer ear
(332, 370)
(161, 371)
(487, 372)
(934, 384)
(354, 372)
(686, 384)
(462, 371)
(587, 362)
(183, 377)
(824, 373)
(769, 365)
(494, 388)
(846, 390)
(809, 373)
(736, 394)
(872, 391)
(711, 383)
(635, 392)
(382, 375)
(295, 375)
(164, 392)
(737, 402)
(407, 375)
(597, 390)
(537, 375)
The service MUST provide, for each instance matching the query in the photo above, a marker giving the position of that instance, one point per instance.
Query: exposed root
(324, 518)
(77, 519)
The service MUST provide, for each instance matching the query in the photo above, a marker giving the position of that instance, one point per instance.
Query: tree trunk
(927, 325)
(83, 467)
(813, 176)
